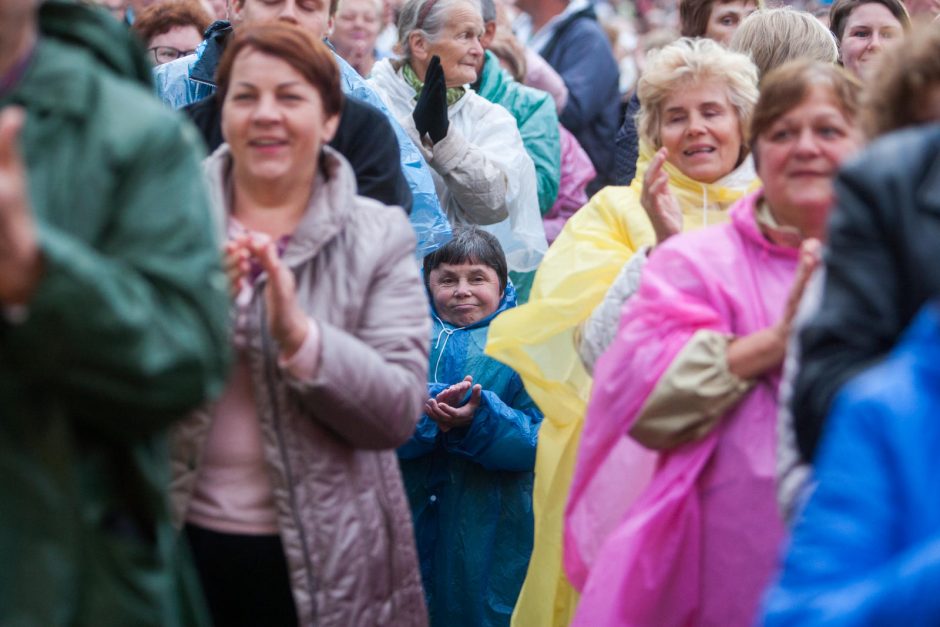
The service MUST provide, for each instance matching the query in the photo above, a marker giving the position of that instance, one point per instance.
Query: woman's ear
(419, 47)
(329, 128)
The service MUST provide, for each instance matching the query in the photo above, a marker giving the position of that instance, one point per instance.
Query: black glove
(430, 114)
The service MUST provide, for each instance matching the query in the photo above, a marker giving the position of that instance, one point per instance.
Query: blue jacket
(471, 489)
(866, 550)
(580, 52)
(192, 78)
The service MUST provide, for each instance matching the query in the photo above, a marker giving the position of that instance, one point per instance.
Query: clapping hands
(443, 408)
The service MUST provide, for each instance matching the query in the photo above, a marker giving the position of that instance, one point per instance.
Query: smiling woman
(863, 28)
(331, 343)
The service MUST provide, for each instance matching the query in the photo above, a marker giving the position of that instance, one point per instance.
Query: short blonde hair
(771, 37)
(688, 61)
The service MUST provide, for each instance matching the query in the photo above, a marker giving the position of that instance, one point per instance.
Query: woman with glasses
(171, 30)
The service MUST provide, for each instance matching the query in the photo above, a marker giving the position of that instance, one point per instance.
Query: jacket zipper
(271, 379)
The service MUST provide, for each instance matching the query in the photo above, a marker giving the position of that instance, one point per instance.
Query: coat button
(433, 498)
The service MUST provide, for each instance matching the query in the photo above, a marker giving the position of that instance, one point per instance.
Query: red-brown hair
(160, 17)
(293, 45)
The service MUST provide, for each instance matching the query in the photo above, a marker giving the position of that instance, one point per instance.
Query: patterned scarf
(453, 93)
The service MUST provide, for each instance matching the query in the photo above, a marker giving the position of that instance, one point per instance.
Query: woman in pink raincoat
(693, 374)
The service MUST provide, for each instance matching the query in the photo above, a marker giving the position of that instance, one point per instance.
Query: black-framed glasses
(165, 54)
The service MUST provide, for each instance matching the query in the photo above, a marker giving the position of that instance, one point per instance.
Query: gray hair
(771, 37)
(688, 61)
(469, 244)
(434, 19)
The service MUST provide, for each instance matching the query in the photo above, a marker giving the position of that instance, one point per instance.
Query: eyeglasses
(165, 54)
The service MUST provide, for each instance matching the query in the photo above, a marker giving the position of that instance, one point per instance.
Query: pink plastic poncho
(700, 542)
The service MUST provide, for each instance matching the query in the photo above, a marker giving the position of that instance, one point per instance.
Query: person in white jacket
(481, 171)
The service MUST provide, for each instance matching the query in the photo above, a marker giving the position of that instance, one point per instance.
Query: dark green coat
(125, 333)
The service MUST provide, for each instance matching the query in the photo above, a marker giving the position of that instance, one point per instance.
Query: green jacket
(126, 333)
(537, 120)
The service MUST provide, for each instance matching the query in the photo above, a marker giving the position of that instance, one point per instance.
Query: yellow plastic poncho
(537, 341)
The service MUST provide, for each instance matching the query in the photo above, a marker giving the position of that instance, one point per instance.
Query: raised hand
(287, 322)
(21, 263)
(430, 113)
(443, 408)
(657, 199)
(810, 258)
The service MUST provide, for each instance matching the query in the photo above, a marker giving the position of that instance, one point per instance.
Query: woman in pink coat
(694, 370)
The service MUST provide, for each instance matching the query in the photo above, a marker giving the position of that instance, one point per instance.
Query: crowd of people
(469, 312)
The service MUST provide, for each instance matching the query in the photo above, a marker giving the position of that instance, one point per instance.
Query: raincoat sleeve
(157, 342)
(431, 227)
(843, 567)
(370, 386)
(503, 435)
(599, 330)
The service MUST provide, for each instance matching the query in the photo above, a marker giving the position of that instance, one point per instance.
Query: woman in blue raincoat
(468, 467)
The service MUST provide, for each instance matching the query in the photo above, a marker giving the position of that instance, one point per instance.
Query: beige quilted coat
(330, 443)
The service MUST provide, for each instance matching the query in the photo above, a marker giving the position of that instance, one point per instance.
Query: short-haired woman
(771, 37)
(289, 486)
(697, 102)
(480, 167)
(693, 375)
(171, 29)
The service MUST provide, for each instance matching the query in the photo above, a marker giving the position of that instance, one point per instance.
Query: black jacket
(884, 240)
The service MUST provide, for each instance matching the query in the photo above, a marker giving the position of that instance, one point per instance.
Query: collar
(217, 36)
(777, 233)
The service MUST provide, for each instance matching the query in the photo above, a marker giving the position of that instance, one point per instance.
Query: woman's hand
(287, 322)
(762, 351)
(658, 201)
(237, 263)
(443, 408)
(430, 114)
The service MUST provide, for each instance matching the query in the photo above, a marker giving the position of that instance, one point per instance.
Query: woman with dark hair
(288, 486)
(863, 28)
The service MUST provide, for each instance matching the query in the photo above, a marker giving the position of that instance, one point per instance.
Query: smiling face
(273, 121)
(311, 15)
(464, 293)
(700, 128)
(457, 44)
(725, 19)
(868, 29)
(798, 155)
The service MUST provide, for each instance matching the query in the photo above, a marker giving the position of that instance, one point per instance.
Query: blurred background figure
(355, 30)
(773, 36)
(863, 28)
(171, 29)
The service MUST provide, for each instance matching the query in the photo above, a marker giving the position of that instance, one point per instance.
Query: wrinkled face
(798, 155)
(464, 293)
(868, 29)
(458, 46)
(725, 19)
(356, 27)
(176, 42)
(273, 120)
(311, 15)
(701, 130)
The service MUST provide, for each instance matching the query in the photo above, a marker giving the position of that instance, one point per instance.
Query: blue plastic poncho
(471, 489)
(190, 79)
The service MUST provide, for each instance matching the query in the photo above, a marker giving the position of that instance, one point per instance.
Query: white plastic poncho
(481, 170)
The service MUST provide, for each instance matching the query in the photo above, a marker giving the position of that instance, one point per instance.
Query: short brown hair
(786, 87)
(895, 96)
(160, 17)
(694, 14)
(293, 45)
(841, 10)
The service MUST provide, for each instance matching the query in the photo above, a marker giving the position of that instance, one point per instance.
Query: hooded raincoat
(535, 116)
(866, 549)
(699, 544)
(192, 78)
(481, 170)
(471, 489)
(537, 341)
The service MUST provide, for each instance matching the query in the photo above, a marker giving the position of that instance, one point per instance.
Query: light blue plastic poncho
(177, 88)
(471, 488)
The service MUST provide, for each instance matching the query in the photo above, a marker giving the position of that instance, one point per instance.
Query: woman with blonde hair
(774, 36)
(694, 371)
(697, 102)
